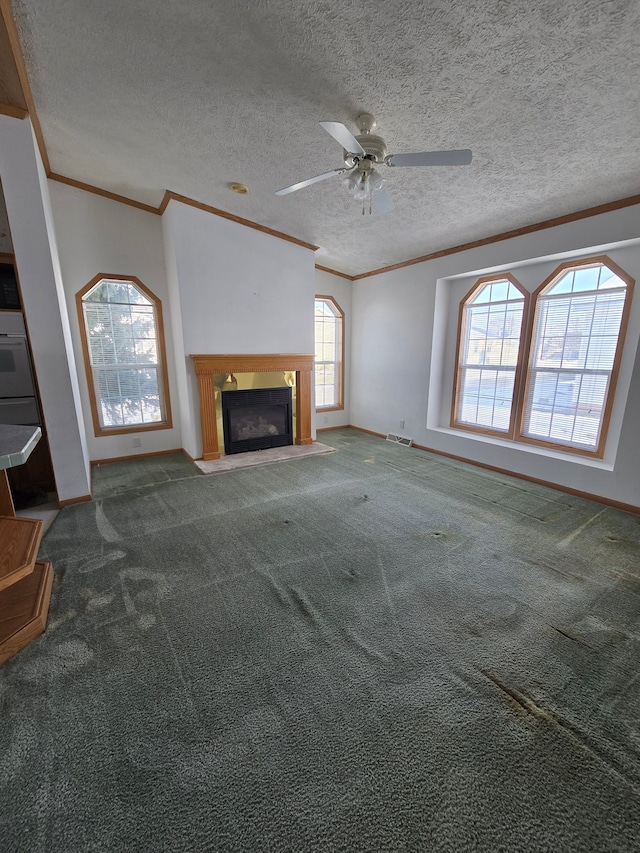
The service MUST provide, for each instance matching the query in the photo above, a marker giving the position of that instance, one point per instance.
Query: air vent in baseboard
(400, 439)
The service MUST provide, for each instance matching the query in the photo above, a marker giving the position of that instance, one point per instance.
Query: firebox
(256, 419)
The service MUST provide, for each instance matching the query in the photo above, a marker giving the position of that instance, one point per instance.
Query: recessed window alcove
(207, 366)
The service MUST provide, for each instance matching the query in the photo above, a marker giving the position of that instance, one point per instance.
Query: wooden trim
(370, 432)
(537, 480)
(71, 501)
(599, 209)
(6, 16)
(80, 185)
(169, 196)
(14, 112)
(330, 429)
(6, 498)
(303, 406)
(455, 398)
(206, 366)
(334, 272)
(25, 606)
(599, 450)
(98, 429)
(340, 404)
(566, 489)
(10, 82)
(252, 363)
(95, 462)
(7, 258)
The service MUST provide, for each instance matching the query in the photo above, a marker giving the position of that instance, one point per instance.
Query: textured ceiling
(139, 96)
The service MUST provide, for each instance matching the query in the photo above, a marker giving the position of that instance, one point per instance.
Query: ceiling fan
(363, 153)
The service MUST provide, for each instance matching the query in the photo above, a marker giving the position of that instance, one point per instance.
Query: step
(23, 610)
(19, 543)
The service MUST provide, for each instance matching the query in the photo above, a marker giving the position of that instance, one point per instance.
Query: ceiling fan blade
(344, 136)
(301, 184)
(460, 157)
(382, 201)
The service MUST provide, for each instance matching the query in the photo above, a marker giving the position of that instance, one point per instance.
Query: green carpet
(376, 649)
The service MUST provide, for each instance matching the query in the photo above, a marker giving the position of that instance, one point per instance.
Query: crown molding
(80, 185)
(630, 201)
(171, 196)
(334, 272)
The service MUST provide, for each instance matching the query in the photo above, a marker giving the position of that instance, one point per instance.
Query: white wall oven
(18, 400)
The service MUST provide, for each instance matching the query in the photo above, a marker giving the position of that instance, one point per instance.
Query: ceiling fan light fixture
(352, 182)
(376, 180)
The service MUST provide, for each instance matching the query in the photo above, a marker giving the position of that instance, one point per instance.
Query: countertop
(16, 444)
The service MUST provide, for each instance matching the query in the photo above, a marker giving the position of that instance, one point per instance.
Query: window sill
(330, 409)
(104, 432)
(523, 447)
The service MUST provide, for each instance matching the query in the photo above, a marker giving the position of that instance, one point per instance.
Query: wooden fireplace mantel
(208, 365)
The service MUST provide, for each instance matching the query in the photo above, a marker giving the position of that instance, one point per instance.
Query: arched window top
(118, 292)
(326, 306)
(502, 289)
(584, 278)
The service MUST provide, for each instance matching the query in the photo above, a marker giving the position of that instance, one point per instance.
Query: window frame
(340, 348)
(526, 356)
(519, 368)
(568, 266)
(163, 380)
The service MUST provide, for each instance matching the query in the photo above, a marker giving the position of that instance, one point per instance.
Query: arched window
(123, 343)
(576, 344)
(329, 354)
(489, 348)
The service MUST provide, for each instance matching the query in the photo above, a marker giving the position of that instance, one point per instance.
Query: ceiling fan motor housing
(374, 146)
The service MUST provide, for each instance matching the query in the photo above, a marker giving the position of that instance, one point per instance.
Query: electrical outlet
(326, 419)
(402, 424)
(137, 442)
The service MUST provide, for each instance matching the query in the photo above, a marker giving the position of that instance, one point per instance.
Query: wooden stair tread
(19, 543)
(23, 610)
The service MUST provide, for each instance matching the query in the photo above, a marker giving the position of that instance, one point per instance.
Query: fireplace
(207, 366)
(256, 419)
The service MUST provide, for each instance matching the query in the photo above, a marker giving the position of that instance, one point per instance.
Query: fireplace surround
(206, 366)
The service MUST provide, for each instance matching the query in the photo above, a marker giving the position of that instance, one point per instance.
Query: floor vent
(400, 439)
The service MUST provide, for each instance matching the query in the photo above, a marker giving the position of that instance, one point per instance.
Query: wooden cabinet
(25, 581)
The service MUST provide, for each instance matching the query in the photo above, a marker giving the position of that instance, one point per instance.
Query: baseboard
(370, 432)
(328, 429)
(136, 456)
(78, 500)
(566, 489)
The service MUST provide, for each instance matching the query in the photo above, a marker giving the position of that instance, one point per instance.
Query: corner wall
(36, 254)
(236, 290)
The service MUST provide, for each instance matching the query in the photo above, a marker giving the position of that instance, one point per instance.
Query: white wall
(99, 235)
(237, 290)
(403, 352)
(328, 284)
(34, 242)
